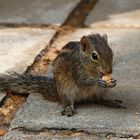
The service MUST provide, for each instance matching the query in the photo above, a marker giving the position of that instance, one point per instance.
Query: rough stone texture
(18, 135)
(38, 113)
(2, 95)
(125, 13)
(19, 46)
(36, 11)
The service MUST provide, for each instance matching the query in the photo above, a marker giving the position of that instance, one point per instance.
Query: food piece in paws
(107, 78)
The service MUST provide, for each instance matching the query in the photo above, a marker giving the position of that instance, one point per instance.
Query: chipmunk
(77, 75)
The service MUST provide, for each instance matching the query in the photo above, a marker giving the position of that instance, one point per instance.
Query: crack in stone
(51, 130)
(75, 19)
(62, 131)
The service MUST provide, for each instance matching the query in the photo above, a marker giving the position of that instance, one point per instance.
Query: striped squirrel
(77, 75)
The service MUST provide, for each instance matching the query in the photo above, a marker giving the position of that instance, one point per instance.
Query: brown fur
(75, 61)
(75, 73)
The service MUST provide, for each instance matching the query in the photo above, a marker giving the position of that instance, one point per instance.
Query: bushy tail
(26, 83)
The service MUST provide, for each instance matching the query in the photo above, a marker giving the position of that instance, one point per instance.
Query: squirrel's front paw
(104, 84)
(112, 84)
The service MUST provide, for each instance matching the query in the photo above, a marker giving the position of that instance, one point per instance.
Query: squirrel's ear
(104, 36)
(83, 43)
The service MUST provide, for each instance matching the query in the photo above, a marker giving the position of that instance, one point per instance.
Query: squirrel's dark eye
(94, 56)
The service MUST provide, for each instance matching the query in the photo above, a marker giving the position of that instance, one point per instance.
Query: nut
(107, 78)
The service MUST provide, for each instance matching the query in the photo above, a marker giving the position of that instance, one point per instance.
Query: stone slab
(118, 13)
(2, 95)
(19, 135)
(37, 113)
(36, 11)
(19, 46)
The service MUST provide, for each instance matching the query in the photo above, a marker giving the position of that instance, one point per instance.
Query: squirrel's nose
(105, 70)
(108, 70)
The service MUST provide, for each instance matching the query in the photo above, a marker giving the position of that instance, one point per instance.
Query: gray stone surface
(118, 13)
(19, 46)
(2, 95)
(18, 135)
(36, 11)
(38, 113)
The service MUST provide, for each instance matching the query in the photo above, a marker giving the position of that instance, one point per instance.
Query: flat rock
(117, 13)
(36, 11)
(38, 113)
(19, 135)
(19, 46)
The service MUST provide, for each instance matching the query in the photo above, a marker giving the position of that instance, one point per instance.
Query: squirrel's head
(96, 48)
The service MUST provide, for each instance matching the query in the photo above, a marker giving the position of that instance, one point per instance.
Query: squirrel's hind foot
(68, 111)
(113, 103)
